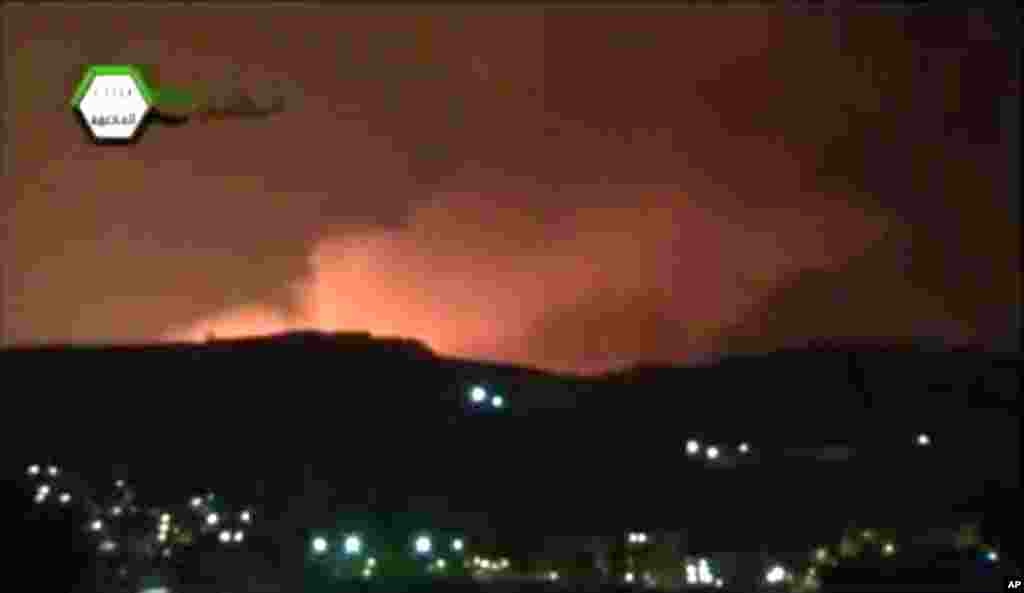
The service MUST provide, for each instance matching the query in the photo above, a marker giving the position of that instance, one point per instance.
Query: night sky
(574, 190)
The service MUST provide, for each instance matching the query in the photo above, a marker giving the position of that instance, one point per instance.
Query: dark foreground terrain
(312, 428)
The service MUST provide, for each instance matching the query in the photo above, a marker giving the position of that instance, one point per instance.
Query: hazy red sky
(570, 190)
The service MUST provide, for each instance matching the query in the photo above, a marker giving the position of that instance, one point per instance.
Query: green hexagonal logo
(113, 101)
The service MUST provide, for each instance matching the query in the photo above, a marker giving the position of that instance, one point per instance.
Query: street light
(692, 447)
(458, 545)
(246, 517)
(744, 448)
(33, 470)
(498, 401)
(423, 545)
(239, 536)
(713, 453)
(212, 519)
(224, 536)
(775, 575)
(923, 440)
(477, 394)
(319, 545)
(353, 545)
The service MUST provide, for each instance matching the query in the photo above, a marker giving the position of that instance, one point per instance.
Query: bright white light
(821, 554)
(692, 447)
(423, 545)
(504, 562)
(367, 573)
(923, 440)
(39, 498)
(497, 401)
(53, 471)
(691, 574)
(212, 519)
(775, 575)
(719, 583)
(43, 489)
(65, 498)
(196, 502)
(116, 511)
(744, 448)
(353, 545)
(477, 394)
(712, 452)
(119, 483)
(704, 575)
(224, 536)
(33, 470)
(552, 576)
(630, 577)
(161, 537)
(371, 562)
(239, 536)
(96, 525)
(992, 556)
(441, 563)
(888, 549)
(246, 517)
(319, 545)
(165, 518)
(458, 545)
(485, 563)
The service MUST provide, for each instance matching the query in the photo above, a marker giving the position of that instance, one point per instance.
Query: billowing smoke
(579, 290)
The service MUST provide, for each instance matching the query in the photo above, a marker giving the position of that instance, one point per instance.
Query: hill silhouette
(314, 424)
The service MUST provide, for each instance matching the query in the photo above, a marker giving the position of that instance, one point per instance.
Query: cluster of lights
(484, 565)
(352, 545)
(105, 522)
(693, 448)
(637, 537)
(776, 574)
(478, 396)
(699, 573)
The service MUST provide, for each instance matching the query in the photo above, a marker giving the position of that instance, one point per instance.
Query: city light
(888, 549)
(719, 583)
(33, 470)
(224, 536)
(196, 502)
(744, 448)
(923, 440)
(65, 498)
(775, 575)
(704, 572)
(821, 554)
(552, 576)
(119, 483)
(212, 519)
(477, 394)
(165, 518)
(441, 563)
(712, 452)
(52, 471)
(246, 517)
(116, 511)
(107, 545)
(630, 577)
(637, 537)
(96, 525)
(353, 545)
(371, 562)
(423, 545)
(498, 401)
(992, 556)
(692, 447)
(239, 536)
(691, 574)
(458, 545)
(319, 545)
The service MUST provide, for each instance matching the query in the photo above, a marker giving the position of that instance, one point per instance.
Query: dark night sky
(570, 189)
